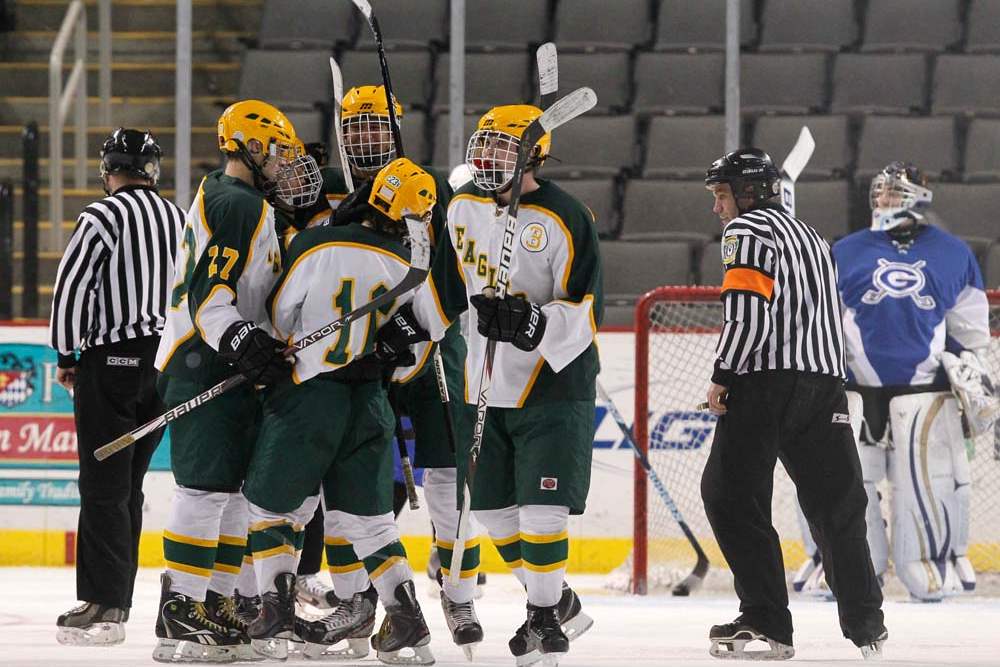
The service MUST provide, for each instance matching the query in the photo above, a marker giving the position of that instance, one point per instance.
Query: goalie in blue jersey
(916, 320)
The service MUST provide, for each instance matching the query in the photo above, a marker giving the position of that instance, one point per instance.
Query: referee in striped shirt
(110, 305)
(778, 389)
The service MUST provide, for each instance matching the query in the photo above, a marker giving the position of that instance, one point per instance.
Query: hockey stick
(338, 99)
(548, 73)
(694, 580)
(420, 254)
(366, 9)
(566, 109)
(793, 165)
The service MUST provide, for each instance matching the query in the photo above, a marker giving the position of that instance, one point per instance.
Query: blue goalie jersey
(902, 308)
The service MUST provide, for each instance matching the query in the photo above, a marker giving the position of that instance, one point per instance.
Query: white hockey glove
(971, 384)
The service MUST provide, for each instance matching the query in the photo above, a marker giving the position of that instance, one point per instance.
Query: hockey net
(676, 332)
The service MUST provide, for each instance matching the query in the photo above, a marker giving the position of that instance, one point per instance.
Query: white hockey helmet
(898, 193)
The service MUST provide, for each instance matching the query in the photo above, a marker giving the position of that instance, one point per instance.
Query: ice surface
(628, 630)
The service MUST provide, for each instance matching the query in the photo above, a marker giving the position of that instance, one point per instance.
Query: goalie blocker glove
(512, 319)
(255, 354)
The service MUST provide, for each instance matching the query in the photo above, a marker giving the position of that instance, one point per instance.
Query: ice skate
(185, 633)
(574, 622)
(271, 630)
(91, 624)
(403, 628)
(222, 610)
(353, 621)
(540, 639)
(873, 649)
(310, 589)
(463, 623)
(247, 606)
(730, 639)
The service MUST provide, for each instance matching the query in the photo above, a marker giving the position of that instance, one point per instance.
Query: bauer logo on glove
(512, 319)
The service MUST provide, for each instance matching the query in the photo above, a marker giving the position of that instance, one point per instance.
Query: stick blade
(799, 156)
(365, 7)
(338, 82)
(548, 69)
(567, 108)
(114, 446)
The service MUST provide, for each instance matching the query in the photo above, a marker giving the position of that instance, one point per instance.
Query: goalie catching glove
(512, 319)
(974, 390)
(255, 354)
(393, 340)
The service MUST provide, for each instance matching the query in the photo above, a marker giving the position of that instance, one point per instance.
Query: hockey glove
(393, 340)
(512, 319)
(255, 354)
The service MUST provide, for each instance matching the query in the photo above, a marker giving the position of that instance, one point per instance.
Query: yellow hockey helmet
(401, 189)
(365, 128)
(492, 149)
(253, 119)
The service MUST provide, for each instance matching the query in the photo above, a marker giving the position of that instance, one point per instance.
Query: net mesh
(682, 326)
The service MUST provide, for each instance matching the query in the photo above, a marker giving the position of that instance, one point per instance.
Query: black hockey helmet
(749, 172)
(133, 152)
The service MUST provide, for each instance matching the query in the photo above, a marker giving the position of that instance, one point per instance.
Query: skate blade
(413, 655)
(528, 659)
(98, 634)
(577, 625)
(356, 648)
(872, 651)
(551, 659)
(271, 648)
(469, 650)
(188, 651)
(165, 650)
(735, 649)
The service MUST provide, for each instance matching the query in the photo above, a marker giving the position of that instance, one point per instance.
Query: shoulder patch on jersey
(534, 237)
(730, 246)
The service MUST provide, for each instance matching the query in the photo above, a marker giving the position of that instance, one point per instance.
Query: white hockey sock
(504, 528)
(545, 551)
(441, 494)
(346, 569)
(232, 545)
(376, 543)
(276, 540)
(246, 582)
(190, 539)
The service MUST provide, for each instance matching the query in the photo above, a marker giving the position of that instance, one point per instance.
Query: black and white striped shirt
(115, 276)
(781, 305)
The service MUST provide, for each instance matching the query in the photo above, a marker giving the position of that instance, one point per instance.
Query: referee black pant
(800, 418)
(114, 393)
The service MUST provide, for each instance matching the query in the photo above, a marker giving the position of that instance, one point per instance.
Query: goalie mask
(898, 193)
(252, 127)
(365, 127)
(492, 150)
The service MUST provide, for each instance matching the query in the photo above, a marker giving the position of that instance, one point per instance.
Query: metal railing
(74, 96)
(29, 214)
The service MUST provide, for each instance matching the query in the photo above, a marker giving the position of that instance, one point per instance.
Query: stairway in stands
(143, 52)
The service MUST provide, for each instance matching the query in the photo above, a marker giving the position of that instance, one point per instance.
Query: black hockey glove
(354, 207)
(394, 338)
(512, 319)
(255, 354)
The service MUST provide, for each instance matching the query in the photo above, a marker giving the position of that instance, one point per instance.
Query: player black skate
(353, 620)
(185, 633)
(309, 589)
(247, 606)
(91, 624)
(463, 623)
(540, 638)
(873, 649)
(222, 610)
(403, 628)
(271, 630)
(729, 640)
(574, 622)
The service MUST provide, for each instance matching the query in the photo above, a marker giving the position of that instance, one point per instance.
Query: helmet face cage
(491, 156)
(368, 141)
(299, 182)
(897, 194)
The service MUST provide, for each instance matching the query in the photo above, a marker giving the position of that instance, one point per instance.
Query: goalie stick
(566, 109)
(420, 252)
(694, 580)
(793, 165)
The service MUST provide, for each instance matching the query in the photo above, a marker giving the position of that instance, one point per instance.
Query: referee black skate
(778, 389)
(110, 302)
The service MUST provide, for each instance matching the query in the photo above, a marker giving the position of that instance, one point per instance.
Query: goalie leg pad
(873, 469)
(924, 503)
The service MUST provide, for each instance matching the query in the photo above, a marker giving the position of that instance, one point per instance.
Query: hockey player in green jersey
(368, 145)
(332, 418)
(534, 466)
(216, 325)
